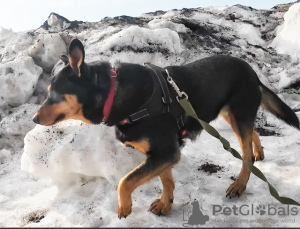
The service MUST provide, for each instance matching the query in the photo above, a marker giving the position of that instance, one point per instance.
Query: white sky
(30, 14)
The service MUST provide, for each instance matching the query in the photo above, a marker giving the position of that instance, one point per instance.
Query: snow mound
(18, 79)
(137, 44)
(70, 149)
(5, 36)
(233, 19)
(160, 24)
(19, 122)
(4, 155)
(17, 44)
(15, 125)
(57, 23)
(47, 50)
(287, 40)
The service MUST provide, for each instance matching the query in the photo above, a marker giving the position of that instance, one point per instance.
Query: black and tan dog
(218, 85)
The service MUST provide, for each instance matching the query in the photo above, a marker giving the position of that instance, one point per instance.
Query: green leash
(182, 98)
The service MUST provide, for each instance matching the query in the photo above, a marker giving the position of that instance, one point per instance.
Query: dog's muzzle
(36, 119)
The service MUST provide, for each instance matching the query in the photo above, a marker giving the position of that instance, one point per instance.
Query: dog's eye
(49, 101)
(54, 97)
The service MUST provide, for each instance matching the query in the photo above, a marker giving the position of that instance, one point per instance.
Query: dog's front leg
(150, 168)
(163, 205)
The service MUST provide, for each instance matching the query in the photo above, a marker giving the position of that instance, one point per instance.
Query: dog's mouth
(50, 124)
(59, 118)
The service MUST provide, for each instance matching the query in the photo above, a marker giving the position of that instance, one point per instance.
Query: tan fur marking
(73, 103)
(49, 87)
(48, 113)
(76, 108)
(168, 186)
(79, 116)
(245, 154)
(142, 146)
(224, 111)
(70, 108)
(164, 204)
(239, 185)
(126, 187)
(258, 149)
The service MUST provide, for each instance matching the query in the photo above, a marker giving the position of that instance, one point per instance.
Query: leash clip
(182, 94)
(176, 88)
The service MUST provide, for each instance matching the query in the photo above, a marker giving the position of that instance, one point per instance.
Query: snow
(128, 45)
(18, 79)
(47, 56)
(250, 34)
(98, 152)
(16, 45)
(160, 23)
(141, 37)
(6, 35)
(67, 175)
(287, 39)
(56, 23)
(247, 32)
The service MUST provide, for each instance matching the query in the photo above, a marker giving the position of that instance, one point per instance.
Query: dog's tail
(277, 107)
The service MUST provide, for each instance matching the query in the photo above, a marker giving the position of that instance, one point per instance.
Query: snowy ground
(67, 175)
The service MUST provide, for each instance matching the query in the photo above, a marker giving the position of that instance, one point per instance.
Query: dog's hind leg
(151, 167)
(243, 132)
(258, 149)
(163, 205)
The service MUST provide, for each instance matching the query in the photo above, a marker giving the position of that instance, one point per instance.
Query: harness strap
(152, 107)
(159, 103)
(163, 84)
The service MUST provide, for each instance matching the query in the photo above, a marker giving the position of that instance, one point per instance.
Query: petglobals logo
(246, 210)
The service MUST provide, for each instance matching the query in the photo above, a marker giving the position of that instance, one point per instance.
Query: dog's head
(72, 91)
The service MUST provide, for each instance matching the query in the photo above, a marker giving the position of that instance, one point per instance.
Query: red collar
(110, 98)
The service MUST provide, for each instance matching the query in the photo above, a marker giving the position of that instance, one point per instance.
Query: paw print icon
(261, 210)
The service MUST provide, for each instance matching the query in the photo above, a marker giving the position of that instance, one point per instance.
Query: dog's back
(218, 81)
(223, 81)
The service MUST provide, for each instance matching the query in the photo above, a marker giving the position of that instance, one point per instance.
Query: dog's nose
(36, 119)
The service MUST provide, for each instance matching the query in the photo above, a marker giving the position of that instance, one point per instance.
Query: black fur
(278, 108)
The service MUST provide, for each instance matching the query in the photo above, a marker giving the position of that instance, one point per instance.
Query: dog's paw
(160, 208)
(259, 156)
(235, 189)
(124, 211)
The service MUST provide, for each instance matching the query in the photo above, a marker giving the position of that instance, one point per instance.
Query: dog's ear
(64, 58)
(76, 55)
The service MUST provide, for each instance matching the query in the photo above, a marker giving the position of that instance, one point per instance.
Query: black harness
(160, 102)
